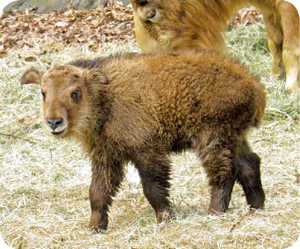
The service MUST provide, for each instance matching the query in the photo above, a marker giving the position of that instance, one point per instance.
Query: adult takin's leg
(105, 182)
(275, 41)
(154, 169)
(248, 175)
(290, 50)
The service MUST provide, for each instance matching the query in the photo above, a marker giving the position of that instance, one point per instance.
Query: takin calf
(140, 108)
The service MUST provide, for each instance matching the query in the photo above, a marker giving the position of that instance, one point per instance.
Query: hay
(44, 181)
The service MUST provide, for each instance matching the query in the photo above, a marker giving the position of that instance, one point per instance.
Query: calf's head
(65, 96)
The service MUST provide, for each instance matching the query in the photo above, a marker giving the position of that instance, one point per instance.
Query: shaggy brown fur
(139, 108)
(163, 25)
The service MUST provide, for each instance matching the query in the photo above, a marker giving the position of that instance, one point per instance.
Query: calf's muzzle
(54, 123)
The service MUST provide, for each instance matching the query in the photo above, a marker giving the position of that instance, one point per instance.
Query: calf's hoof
(97, 230)
(258, 205)
(216, 211)
(164, 216)
(97, 223)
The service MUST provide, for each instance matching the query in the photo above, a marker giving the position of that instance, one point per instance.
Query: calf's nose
(54, 123)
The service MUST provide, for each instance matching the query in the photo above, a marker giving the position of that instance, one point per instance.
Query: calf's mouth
(59, 133)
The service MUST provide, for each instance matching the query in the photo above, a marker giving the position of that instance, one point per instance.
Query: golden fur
(139, 108)
(163, 25)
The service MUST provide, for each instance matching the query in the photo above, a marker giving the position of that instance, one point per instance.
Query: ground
(44, 181)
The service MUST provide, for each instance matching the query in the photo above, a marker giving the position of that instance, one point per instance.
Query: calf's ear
(32, 76)
(96, 76)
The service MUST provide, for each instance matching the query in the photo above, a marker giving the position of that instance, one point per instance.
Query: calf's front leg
(106, 180)
(154, 169)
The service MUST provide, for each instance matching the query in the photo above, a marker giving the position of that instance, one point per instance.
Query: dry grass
(44, 181)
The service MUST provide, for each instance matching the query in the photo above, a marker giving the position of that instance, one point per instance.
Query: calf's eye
(75, 95)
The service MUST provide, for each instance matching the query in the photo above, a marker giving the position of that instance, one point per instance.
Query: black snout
(54, 123)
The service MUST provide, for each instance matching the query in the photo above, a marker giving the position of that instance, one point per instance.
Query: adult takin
(163, 25)
(140, 108)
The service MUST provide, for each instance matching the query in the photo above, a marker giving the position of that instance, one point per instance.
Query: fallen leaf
(30, 59)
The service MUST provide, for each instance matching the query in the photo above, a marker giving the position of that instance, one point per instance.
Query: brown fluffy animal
(163, 25)
(139, 108)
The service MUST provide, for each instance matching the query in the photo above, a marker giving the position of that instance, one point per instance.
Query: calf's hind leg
(219, 165)
(248, 175)
(154, 169)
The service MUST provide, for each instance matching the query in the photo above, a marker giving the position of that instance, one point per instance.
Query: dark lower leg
(104, 185)
(220, 196)
(219, 164)
(157, 195)
(154, 170)
(248, 164)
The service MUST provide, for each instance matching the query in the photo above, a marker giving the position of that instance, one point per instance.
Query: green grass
(44, 181)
